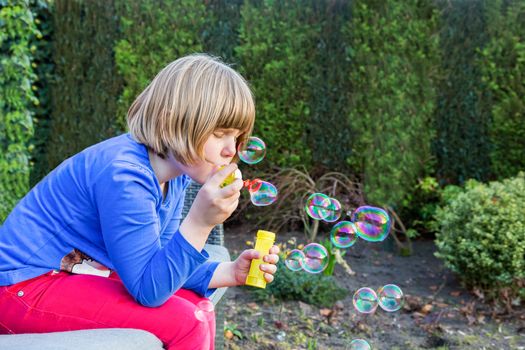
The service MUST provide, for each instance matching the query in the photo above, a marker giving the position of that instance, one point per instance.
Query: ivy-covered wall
(41, 48)
(17, 29)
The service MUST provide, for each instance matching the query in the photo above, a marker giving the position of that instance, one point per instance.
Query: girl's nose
(230, 149)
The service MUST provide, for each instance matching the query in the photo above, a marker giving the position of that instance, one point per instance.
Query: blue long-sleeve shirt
(106, 203)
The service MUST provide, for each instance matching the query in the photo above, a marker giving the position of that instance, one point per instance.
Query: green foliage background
(502, 64)
(152, 34)
(17, 29)
(462, 145)
(392, 51)
(387, 92)
(43, 67)
(83, 104)
(276, 55)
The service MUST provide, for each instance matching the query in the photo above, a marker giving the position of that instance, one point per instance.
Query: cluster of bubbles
(312, 258)
(369, 223)
(321, 207)
(389, 297)
(262, 193)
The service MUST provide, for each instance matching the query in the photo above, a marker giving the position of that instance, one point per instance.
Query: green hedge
(17, 28)
(330, 134)
(86, 86)
(153, 34)
(362, 87)
(462, 146)
(503, 67)
(482, 235)
(276, 54)
(221, 32)
(393, 54)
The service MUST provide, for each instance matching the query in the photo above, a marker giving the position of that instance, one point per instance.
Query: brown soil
(438, 313)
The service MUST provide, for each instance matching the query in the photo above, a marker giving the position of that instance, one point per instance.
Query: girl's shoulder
(118, 149)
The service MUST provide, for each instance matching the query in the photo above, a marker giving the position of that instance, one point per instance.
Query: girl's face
(219, 149)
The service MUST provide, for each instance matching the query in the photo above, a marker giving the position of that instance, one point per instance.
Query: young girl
(99, 242)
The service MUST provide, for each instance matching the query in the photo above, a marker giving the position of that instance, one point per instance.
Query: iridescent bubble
(204, 310)
(317, 206)
(295, 260)
(365, 300)
(373, 224)
(334, 211)
(315, 258)
(252, 151)
(390, 297)
(359, 344)
(262, 193)
(343, 234)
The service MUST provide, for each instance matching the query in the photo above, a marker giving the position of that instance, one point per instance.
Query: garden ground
(438, 313)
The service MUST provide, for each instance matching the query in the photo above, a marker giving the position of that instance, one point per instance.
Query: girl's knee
(192, 331)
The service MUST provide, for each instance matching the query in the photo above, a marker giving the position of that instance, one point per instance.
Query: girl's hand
(213, 204)
(241, 266)
(211, 207)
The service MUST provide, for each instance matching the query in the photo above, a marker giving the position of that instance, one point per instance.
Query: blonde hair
(186, 102)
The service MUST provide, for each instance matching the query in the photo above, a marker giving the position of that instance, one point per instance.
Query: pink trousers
(62, 301)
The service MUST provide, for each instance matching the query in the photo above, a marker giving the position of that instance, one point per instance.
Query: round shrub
(482, 235)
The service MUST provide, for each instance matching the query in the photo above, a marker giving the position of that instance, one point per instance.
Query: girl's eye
(218, 134)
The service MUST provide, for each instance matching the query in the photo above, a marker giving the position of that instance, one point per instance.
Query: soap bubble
(343, 234)
(390, 297)
(365, 300)
(262, 193)
(373, 224)
(359, 344)
(334, 211)
(295, 260)
(317, 206)
(204, 310)
(252, 151)
(315, 258)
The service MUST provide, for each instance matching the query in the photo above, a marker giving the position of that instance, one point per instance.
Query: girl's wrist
(195, 232)
(224, 276)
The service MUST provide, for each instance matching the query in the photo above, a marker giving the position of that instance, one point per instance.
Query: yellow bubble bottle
(230, 178)
(263, 243)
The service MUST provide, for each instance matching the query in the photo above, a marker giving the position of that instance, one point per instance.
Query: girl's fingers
(268, 277)
(218, 177)
(274, 250)
(232, 189)
(269, 268)
(272, 258)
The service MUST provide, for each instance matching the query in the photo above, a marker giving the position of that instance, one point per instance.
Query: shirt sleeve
(175, 220)
(200, 279)
(128, 198)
